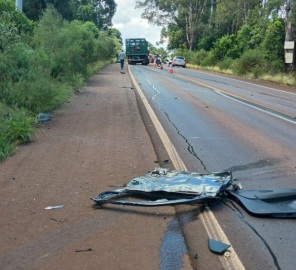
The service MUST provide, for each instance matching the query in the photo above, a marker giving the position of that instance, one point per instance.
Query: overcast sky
(128, 21)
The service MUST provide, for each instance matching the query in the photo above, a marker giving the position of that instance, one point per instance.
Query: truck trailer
(137, 51)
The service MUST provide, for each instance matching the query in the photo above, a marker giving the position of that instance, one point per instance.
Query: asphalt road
(219, 123)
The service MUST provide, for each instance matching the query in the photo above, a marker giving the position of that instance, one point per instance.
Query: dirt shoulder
(95, 142)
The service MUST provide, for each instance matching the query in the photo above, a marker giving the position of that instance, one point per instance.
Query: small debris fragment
(43, 117)
(53, 207)
(167, 161)
(83, 250)
(59, 220)
(217, 247)
(196, 256)
(227, 254)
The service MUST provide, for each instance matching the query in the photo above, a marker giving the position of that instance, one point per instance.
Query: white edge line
(254, 84)
(257, 108)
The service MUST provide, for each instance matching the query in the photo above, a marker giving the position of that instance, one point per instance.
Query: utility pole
(19, 5)
(289, 38)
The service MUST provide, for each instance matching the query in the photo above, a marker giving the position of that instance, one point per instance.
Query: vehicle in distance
(178, 61)
(137, 51)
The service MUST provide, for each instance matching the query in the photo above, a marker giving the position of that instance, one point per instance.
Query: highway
(218, 123)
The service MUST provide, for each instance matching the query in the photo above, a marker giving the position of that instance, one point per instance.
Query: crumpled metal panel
(169, 187)
(166, 180)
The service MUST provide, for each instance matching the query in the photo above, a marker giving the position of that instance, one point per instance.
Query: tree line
(46, 54)
(217, 32)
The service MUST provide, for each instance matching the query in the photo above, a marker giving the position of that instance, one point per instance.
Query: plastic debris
(54, 207)
(217, 246)
(43, 117)
(277, 203)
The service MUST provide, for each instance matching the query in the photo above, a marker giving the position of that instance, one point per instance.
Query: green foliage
(225, 64)
(205, 42)
(177, 37)
(243, 37)
(276, 66)
(70, 46)
(100, 12)
(274, 38)
(91, 27)
(33, 8)
(252, 61)
(199, 58)
(7, 5)
(85, 12)
(39, 70)
(9, 32)
(16, 127)
(225, 47)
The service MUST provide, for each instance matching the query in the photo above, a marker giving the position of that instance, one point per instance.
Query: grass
(282, 78)
(18, 126)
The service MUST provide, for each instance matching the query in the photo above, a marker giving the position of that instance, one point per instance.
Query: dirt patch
(93, 143)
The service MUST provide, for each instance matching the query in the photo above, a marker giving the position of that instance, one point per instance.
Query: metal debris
(164, 186)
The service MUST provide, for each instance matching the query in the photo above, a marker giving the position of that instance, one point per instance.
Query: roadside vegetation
(241, 37)
(42, 63)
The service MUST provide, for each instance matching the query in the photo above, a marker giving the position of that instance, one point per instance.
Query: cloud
(128, 21)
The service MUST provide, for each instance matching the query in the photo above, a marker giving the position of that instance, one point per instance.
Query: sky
(128, 21)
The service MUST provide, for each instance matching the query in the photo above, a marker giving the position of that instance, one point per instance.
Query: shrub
(225, 47)
(252, 61)
(226, 63)
(276, 66)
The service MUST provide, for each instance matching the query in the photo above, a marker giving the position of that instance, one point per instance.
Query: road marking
(266, 87)
(257, 108)
(209, 221)
(239, 99)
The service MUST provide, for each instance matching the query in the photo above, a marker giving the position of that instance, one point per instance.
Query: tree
(34, 8)
(105, 10)
(184, 14)
(99, 12)
(64, 7)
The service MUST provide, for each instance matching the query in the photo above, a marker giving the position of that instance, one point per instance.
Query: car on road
(178, 61)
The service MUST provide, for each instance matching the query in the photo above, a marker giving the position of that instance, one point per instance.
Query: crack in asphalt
(241, 216)
(190, 148)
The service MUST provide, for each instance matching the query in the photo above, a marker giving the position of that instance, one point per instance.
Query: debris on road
(43, 117)
(164, 186)
(278, 203)
(54, 207)
(60, 220)
(217, 246)
(83, 250)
